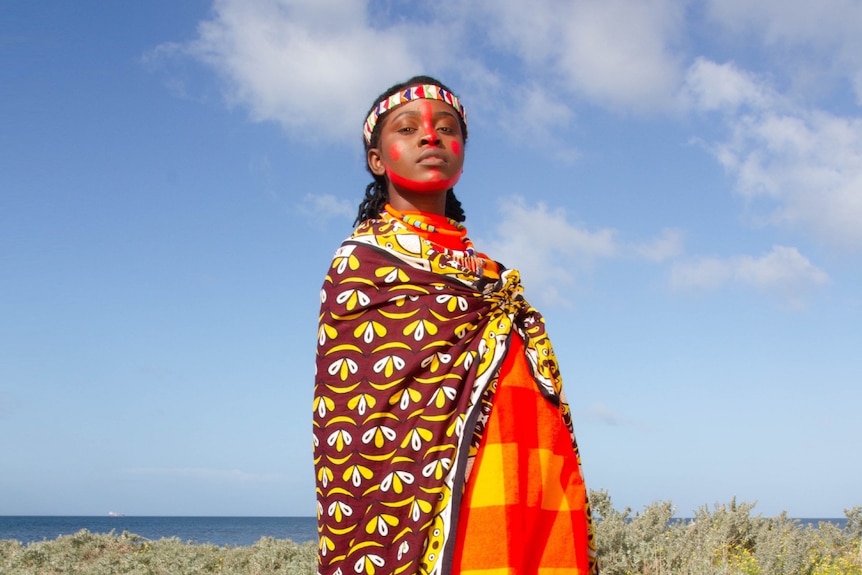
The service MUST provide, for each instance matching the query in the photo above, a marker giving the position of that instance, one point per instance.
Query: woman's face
(421, 148)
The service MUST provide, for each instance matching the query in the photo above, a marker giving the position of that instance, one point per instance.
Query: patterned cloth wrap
(409, 349)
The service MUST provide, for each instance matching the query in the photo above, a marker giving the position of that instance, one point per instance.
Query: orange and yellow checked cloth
(525, 508)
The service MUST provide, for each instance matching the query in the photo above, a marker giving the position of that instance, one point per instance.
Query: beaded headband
(421, 91)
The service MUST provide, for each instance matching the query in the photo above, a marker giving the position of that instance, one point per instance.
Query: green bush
(91, 554)
(725, 540)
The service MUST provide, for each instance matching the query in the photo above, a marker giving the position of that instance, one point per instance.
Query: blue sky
(680, 184)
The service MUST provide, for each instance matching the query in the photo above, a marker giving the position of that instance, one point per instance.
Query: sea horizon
(220, 530)
(121, 515)
(215, 530)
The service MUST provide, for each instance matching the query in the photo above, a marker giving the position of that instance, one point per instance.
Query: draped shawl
(409, 348)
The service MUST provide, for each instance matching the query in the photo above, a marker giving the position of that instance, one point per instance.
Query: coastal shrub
(108, 554)
(727, 539)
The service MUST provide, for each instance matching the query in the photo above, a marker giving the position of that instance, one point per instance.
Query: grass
(725, 540)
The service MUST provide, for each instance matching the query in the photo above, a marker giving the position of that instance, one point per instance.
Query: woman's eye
(406, 130)
(448, 128)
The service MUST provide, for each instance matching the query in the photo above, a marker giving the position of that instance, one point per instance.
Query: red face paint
(456, 147)
(427, 187)
(395, 152)
(427, 114)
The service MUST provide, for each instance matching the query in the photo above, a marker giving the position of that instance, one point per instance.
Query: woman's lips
(431, 158)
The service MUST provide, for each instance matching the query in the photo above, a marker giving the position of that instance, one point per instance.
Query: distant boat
(115, 514)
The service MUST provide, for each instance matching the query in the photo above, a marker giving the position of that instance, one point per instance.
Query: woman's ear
(375, 162)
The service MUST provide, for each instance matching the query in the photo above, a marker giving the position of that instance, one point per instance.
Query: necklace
(466, 258)
(459, 230)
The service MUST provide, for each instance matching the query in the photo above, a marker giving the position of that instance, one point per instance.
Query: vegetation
(92, 554)
(727, 540)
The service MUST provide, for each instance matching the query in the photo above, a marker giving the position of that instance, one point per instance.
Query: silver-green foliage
(725, 540)
(92, 554)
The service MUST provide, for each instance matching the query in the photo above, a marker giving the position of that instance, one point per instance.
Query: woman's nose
(430, 138)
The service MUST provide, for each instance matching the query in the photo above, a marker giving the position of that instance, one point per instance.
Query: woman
(442, 441)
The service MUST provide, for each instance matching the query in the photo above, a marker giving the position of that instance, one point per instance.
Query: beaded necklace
(460, 231)
(466, 258)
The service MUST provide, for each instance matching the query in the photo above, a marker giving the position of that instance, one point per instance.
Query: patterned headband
(426, 91)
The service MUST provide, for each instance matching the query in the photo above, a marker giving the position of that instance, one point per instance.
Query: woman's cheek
(395, 152)
(456, 147)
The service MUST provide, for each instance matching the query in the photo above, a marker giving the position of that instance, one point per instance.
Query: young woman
(442, 440)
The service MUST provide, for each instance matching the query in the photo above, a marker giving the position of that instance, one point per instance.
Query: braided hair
(376, 193)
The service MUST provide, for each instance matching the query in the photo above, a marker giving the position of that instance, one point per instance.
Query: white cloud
(668, 245)
(313, 67)
(811, 163)
(322, 207)
(546, 118)
(620, 51)
(810, 41)
(616, 53)
(533, 33)
(550, 251)
(546, 247)
(797, 168)
(783, 270)
(712, 87)
(827, 21)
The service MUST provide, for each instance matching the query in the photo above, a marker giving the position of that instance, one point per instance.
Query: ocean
(221, 531)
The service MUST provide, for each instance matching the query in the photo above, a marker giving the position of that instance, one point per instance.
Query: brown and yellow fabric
(410, 352)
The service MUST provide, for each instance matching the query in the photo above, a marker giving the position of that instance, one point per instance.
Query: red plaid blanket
(525, 509)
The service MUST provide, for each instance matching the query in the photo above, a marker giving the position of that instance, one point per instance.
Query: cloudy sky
(680, 183)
